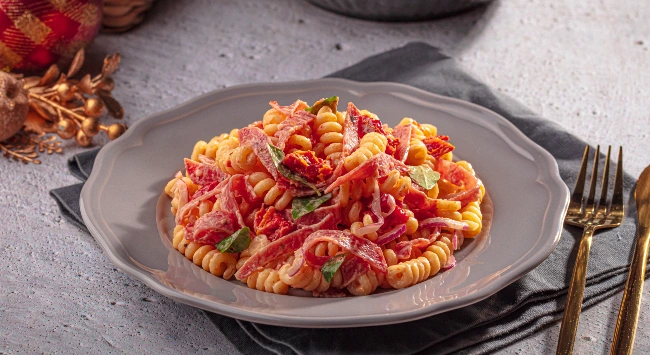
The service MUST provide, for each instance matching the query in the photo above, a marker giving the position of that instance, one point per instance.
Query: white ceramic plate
(125, 209)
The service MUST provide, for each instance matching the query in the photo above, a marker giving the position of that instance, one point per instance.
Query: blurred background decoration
(42, 36)
(35, 34)
(122, 15)
(34, 108)
(391, 10)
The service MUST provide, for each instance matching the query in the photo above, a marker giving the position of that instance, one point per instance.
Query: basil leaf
(332, 265)
(424, 176)
(304, 205)
(331, 102)
(236, 243)
(278, 156)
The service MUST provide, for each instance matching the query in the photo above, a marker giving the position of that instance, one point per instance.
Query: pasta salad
(328, 201)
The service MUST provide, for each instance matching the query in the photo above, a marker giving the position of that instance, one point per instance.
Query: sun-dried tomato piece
(308, 165)
(270, 223)
(391, 147)
(438, 146)
(398, 216)
(368, 124)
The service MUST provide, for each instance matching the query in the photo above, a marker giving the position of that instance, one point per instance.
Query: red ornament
(35, 34)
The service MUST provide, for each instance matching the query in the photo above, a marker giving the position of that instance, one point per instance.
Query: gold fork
(590, 217)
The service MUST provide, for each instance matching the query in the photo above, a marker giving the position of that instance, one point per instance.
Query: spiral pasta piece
(329, 130)
(467, 166)
(396, 185)
(433, 192)
(352, 212)
(365, 284)
(325, 249)
(344, 194)
(370, 145)
(300, 141)
(393, 243)
(219, 264)
(366, 220)
(199, 149)
(448, 156)
(267, 280)
(171, 192)
(213, 145)
(205, 255)
(416, 130)
(270, 121)
(243, 159)
(266, 188)
(369, 114)
(205, 207)
(411, 272)
(256, 244)
(389, 255)
(422, 233)
(307, 278)
(428, 130)
(471, 214)
(411, 223)
(417, 154)
(352, 191)
(223, 154)
(191, 187)
(168, 188)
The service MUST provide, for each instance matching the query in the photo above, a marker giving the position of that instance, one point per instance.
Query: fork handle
(628, 315)
(573, 305)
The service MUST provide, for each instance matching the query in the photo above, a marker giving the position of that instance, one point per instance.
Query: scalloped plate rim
(107, 156)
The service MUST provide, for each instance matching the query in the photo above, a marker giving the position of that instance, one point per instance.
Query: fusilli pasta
(265, 187)
(206, 256)
(270, 121)
(335, 203)
(267, 280)
(411, 272)
(329, 131)
(371, 144)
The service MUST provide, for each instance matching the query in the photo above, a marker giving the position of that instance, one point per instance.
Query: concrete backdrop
(580, 64)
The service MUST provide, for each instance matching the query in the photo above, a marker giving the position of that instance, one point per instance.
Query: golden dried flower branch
(25, 147)
(68, 107)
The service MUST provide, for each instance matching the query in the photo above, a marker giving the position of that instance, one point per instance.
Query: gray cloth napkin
(533, 302)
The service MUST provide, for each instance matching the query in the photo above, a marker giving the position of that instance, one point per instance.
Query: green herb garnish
(304, 205)
(424, 176)
(278, 157)
(236, 243)
(331, 266)
(331, 102)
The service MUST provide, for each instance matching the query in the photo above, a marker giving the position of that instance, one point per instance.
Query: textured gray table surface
(580, 64)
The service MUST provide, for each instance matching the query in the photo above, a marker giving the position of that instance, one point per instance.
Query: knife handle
(628, 315)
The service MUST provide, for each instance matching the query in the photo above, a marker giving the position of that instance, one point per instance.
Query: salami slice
(202, 174)
(282, 247)
(213, 227)
(403, 133)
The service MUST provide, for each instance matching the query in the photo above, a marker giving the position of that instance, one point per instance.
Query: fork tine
(590, 207)
(602, 204)
(617, 199)
(576, 197)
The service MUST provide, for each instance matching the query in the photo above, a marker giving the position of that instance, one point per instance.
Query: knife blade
(628, 315)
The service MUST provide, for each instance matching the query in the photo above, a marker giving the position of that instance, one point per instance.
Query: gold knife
(628, 315)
